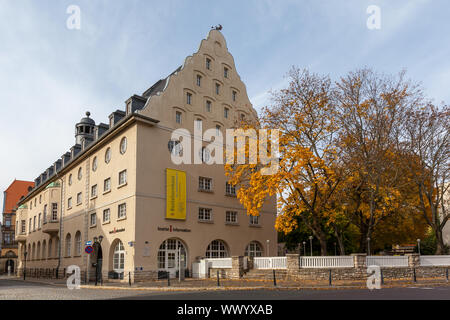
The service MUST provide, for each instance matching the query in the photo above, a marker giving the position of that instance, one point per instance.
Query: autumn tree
(371, 108)
(306, 179)
(427, 152)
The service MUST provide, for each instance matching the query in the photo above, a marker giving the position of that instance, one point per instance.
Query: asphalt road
(19, 290)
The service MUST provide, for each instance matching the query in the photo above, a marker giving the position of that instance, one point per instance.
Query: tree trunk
(440, 247)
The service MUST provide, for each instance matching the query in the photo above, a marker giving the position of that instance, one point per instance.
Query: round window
(70, 179)
(123, 145)
(108, 155)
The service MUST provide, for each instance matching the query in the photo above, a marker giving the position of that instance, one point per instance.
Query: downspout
(60, 227)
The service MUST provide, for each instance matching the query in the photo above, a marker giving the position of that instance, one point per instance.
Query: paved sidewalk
(241, 284)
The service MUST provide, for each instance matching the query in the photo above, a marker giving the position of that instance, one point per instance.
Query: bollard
(168, 278)
(446, 274)
(274, 278)
(414, 275)
(382, 277)
(218, 279)
(129, 278)
(329, 278)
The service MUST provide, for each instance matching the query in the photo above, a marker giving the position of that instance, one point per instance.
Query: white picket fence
(430, 261)
(387, 261)
(222, 263)
(327, 262)
(270, 263)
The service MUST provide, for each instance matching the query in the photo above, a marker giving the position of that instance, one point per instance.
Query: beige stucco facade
(142, 229)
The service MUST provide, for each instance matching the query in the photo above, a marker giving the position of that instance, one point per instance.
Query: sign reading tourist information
(173, 229)
(175, 194)
(88, 249)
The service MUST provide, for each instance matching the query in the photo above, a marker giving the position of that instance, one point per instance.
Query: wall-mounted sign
(117, 230)
(173, 229)
(88, 243)
(88, 249)
(175, 194)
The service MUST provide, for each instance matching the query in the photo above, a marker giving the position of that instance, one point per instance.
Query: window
(175, 147)
(80, 174)
(45, 214)
(225, 72)
(217, 249)
(233, 95)
(50, 249)
(40, 199)
(94, 164)
(199, 124)
(106, 215)
(79, 198)
(199, 80)
(94, 191)
(230, 189)
(8, 222)
(205, 154)
(254, 220)
(122, 177)
(218, 132)
(231, 217)
(166, 258)
(34, 223)
(208, 106)
(253, 249)
(54, 211)
(68, 245)
(178, 117)
(123, 145)
(208, 63)
(217, 88)
(122, 212)
(107, 185)
(70, 179)
(93, 220)
(22, 226)
(242, 117)
(78, 243)
(119, 258)
(226, 112)
(69, 203)
(108, 155)
(31, 205)
(188, 98)
(29, 226)
(39, 220)
(204, 214)
(205, 184)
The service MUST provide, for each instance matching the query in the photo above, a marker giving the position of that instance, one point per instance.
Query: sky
(51, 75)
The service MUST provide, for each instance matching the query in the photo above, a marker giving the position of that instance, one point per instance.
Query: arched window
(78, 243)
(68, 245)
(94, 164)
(50, 255)
(108, 155)
(38, 251)
(80, 173)
(119, 258)
(253, 249)
(168, 254)
(217, 249)
(44, 250)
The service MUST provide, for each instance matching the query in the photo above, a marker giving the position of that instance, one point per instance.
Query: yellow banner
(175, 194)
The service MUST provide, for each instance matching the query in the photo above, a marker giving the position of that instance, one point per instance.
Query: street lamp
(310, 243)
(368, 246)
(418, 245)
(25, 267)
(304, 247)
(268, 241)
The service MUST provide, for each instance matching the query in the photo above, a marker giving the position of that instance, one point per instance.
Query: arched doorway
(9, 266)
(172, 253)
(117, 260)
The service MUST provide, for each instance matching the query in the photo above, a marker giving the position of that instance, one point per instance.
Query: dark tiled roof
(159, 85)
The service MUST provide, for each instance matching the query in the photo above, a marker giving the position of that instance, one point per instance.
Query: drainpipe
(60, 227)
